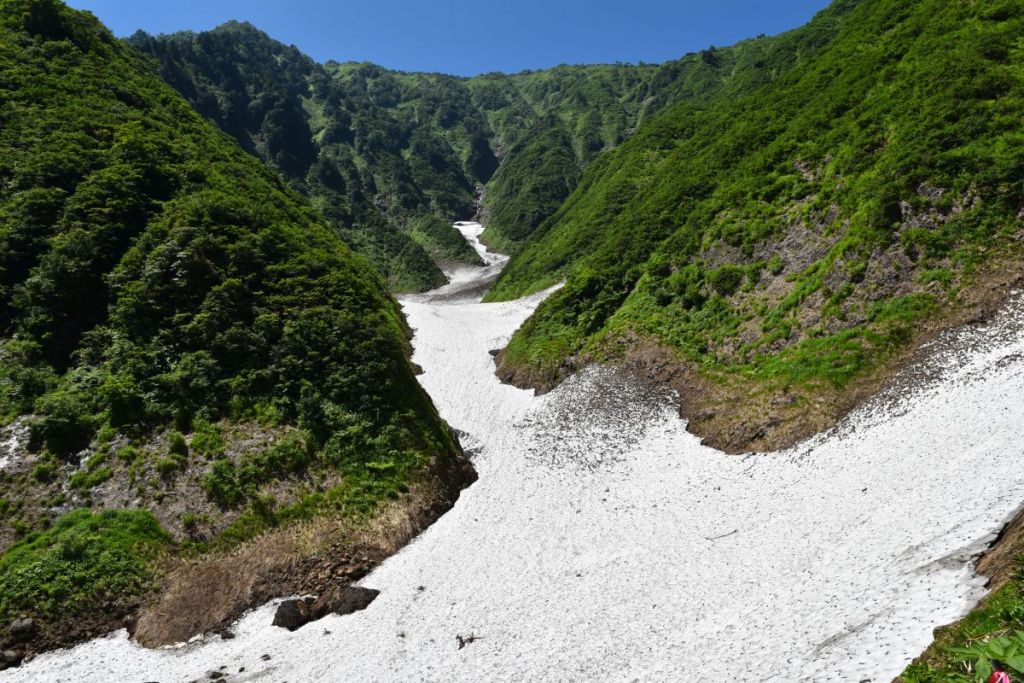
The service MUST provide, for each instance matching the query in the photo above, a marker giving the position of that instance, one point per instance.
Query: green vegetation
(549, 125)
(229, 484)
(85, 562)
(964, 652)
(176, 444)
(782, 213)
(362, 488)
(157, 281)
(391, 158)
(383, 156)
(442, 242)
(168, 276)
(207, 439)
(793, 223)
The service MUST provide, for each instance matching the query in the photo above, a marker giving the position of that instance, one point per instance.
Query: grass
(363, 487)
(85, 561)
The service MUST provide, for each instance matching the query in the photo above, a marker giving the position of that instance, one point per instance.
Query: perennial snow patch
(603, 542)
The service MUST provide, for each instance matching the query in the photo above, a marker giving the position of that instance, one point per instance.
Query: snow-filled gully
(603, 542)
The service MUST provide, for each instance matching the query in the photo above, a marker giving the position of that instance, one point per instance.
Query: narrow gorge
(603, 540)
(317, 369)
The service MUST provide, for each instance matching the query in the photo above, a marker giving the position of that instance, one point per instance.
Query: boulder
(9, 658)
(345, 601)
(22, 630)
(295, 613)
(291, 614)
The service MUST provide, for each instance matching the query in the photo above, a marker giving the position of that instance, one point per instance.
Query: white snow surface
(13, 440)
(603, 542)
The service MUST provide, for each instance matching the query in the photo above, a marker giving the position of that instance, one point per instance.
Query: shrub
(85, 480)
(65, 425)
(207, 439)
(44, 472)
(727, 279)
(128, 454)
(166, 467)
(190, 522)
(221, 485)
(176, 444)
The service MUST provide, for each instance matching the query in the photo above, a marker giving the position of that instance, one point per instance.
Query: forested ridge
(390, 194)
(392, 158)
(181, 334)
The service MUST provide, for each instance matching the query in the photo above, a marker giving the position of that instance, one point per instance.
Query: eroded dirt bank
(206, 595)
(309, 559)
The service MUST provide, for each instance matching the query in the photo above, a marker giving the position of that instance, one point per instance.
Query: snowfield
(603, 542)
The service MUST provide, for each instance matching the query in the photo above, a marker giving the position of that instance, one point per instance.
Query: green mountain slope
(787, 235)
(391, 157)
(180, 332)
(549, 125)
(546, 126)
(369, 170)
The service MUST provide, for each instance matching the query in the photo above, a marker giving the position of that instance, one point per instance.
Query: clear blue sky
(470, 37)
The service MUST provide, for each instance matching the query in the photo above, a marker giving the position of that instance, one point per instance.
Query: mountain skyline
(404, 36)
(724, 350)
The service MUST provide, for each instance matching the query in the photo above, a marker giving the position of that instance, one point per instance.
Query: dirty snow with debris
(604, 542)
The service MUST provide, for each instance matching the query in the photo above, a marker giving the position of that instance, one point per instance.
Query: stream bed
(603, 542)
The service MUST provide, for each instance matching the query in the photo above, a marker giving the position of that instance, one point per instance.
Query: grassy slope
(154, 276)
(546, 126)
(791, 229)
(549, 125)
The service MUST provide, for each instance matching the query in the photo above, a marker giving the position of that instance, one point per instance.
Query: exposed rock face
(296, 613)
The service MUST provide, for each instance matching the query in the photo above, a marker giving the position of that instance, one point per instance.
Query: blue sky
(470, 37)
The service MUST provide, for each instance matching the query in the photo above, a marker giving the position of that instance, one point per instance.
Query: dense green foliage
(382, 155)
(157, 281)
(554, 123)
(86, 561)
(548, 125)
(380, 152)
(796, 221)
(153, 272)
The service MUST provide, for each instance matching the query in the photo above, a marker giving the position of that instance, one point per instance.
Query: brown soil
(739, 416)
(206, 595)
(52, 635)
(1002, 559)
